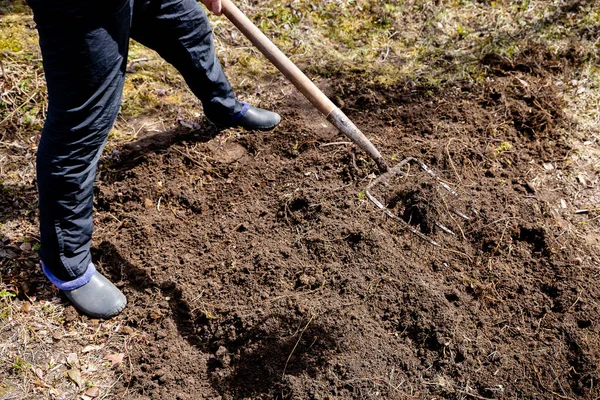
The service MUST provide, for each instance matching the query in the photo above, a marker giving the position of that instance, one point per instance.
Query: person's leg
(180, 32)
(84, 50)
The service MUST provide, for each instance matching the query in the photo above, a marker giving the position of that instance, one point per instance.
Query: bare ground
(255, 267)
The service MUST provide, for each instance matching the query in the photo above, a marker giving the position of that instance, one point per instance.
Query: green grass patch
(17, 34)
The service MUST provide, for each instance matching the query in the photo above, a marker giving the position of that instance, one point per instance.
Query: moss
(502, 148)
(14, 7)
(139, 97)
(17, 34)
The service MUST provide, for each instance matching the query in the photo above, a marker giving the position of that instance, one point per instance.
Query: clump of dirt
(417, 206)
(419, 210)
(269, 275)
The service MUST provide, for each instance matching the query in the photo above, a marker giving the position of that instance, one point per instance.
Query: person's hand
(213, 5)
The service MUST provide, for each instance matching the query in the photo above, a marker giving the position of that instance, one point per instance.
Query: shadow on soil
(247, 359)
(17, 202)
(19, 263)
(133, 153)
(264, 357)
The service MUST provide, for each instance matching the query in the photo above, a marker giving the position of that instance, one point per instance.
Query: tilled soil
(256, 268)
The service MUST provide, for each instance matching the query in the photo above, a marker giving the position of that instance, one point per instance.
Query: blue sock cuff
(245, 108)
(70, 285)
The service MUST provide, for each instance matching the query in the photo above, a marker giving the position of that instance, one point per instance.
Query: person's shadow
(131, 154)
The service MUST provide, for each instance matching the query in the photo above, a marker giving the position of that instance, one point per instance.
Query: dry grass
(427, 43)
(42, 352)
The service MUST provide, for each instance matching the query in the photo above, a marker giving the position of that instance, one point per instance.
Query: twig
(189, 157)
(334, 144)
(137, 60)
(550, 390)
(458, 252)
(501, 238)
(452, 161)
(354, 162)
(18, 108)
(296, 345)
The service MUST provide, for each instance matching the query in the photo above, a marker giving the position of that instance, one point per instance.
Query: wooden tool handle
(301, 81)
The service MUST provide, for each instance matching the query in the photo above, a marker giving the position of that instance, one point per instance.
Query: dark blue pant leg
(84, 47)
(180, 32)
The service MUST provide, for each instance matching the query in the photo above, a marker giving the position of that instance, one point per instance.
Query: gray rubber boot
(257, 118)
(98, 298)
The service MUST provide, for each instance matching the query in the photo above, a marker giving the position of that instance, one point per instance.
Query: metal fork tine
(397, 170)
(442, 227)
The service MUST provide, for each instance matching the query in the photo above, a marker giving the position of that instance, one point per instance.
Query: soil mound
(266, 273)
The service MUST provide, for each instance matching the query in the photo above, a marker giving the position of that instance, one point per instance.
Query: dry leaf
(75, 376)
(89, 369)
(91, 347)
(522, 82)
(26, 307)
(39, 383)
(25, 247)
(93, 392)
(39, 373)
(115, 358)
(72, 358)
(6, 253)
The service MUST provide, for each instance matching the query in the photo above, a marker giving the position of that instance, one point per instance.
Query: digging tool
(321, 102)
(397, 170)
(333, 114)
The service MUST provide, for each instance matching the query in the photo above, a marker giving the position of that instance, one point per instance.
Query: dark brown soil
(257, 269)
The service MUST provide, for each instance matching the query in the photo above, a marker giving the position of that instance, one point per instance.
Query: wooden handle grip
(280, 60)
(301, 81)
